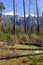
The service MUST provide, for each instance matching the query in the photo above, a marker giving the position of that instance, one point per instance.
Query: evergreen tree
(2, 7)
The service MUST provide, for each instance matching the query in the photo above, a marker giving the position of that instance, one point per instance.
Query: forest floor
(18, 49)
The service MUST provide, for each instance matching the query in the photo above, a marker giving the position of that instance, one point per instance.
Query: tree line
(2, 7)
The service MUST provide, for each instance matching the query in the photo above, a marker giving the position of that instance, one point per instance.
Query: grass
(22, 46)
(25, 46)
(13, 49)
(27, 60)
(4, 45)
(4, 49)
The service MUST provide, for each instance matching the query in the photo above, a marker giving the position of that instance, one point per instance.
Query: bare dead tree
(24, 16)
(35, 2)
(34, 22)
(14, 9)
(37, 15)
(29, 19)
(29, 10)
(34, 12)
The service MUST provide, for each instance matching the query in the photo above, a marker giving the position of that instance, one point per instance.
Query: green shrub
(2, 36)
(41, 39)
(24, 39)
(19, 30)
(35, 38)
(11, 39)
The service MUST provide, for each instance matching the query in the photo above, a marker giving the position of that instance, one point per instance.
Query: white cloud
(9, 13)
(31, 15)
(26, 15)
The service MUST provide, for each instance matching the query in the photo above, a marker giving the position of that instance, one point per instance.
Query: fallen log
(8, 56)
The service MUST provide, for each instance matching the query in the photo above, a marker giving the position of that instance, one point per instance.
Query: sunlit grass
(22, 46)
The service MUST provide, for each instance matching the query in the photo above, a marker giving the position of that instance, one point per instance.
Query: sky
(9, 6)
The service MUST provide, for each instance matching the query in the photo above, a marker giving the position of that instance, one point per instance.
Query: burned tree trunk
(24, 16)
(37, 16)
(14, 28)
(29, 20)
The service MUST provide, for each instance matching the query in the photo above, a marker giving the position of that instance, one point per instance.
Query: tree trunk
(37, 15)
(29, 21)
(0, 14)
(24, 16)
(14, 30)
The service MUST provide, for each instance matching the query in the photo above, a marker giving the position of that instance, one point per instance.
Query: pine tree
(2, 7)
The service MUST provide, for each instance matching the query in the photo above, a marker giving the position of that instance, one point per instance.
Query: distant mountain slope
(20, 20)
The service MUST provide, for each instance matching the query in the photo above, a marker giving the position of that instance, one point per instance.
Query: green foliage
(2, 36)
(35, 38)
(1, 26)
(19, 30)
(24, 39)
(21, 38)
(33, 27)
(41, 38)
(7, 26)
(11, 39)
(2, 6)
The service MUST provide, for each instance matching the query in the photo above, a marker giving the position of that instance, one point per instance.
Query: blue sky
(9, 6)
